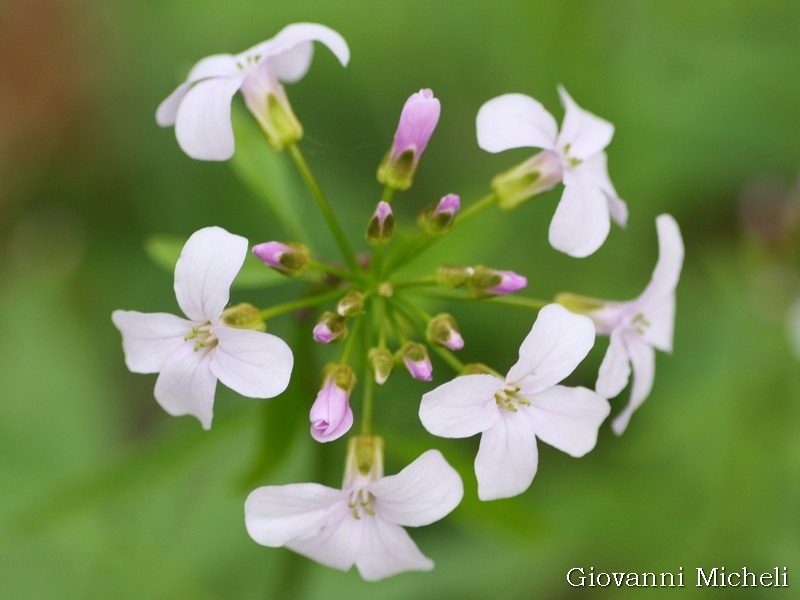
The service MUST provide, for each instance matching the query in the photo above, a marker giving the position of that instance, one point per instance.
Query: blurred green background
(105, 496)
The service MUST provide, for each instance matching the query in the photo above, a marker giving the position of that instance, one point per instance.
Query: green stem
(416, 282)
(369, 384)
(350, 341)
(282, 309)
(388, 194)
(331, 270)
(444, 353)
(423, 241)
(319, 197)
(517, 301)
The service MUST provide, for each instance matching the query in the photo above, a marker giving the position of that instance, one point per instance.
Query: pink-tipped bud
(290, 259)
(438, 219)
(491, 282)
(330, 327)
(417, 123)
(351, 304)
(331, 416)
(443, 330)
(380, 228)
(416, 360)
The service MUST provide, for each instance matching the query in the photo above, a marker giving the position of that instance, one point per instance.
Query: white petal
(277, 514)
(643, 360)
(558, 341)
(218, 65)
(585, 133)
(386, 549)
(596, 168)
(203, 121)
(670, 260)
(660, 316)
(581, 222)
(515, 121)
(507, 458)
(338, 543)
(461, 407)
(167, 111)
(615, 370)
(149, 339)
(290, 51)
(208, 264)
(186, 385)
(424, 492)
(253, 363)
(568, 418)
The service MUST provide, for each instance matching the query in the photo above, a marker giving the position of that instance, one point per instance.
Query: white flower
(362, 523)
(200, 107)
(575, 155)
(511, 413)
(191, 354)
(638, 326)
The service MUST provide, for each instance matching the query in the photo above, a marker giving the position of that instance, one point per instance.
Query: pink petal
(515, 121)
(253, 363)
(568, 418)
(424, 492)
(208, 264)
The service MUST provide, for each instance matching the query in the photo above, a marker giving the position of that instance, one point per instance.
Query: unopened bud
(381, 362)
(491, 282)
(380, 228)
(243, 316)
(417, 123)
(331, 416)
(443, 330)
(436, 220)
(537, 175)
(451, 276)
(330, 327)
(416, 360)
(290, 259)
(351, 304)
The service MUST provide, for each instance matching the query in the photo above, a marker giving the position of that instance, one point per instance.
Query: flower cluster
(370, 320)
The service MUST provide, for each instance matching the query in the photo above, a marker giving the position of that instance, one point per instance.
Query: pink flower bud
(381, 226)
(331, 327)
(438, 219)
(417, 123)
(510, 282)
(492, 282)
(331, 416)
(289, 259)
(416, 360)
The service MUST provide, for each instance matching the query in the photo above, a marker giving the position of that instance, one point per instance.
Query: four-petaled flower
(362, 523)
(511, 413)
(574, 155)
(200, 107)
(640, 325)
(213, 343)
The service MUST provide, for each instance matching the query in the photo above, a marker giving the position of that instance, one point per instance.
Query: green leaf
(164, 251)
(267, 174)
